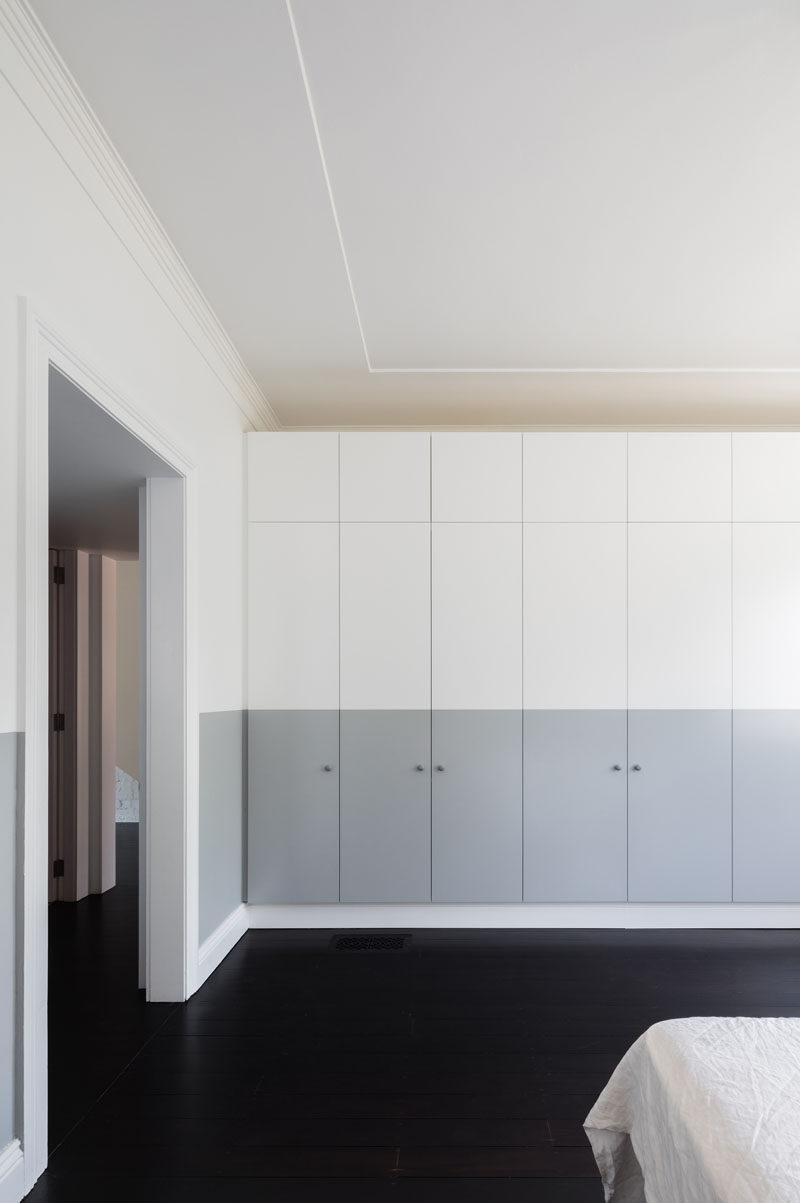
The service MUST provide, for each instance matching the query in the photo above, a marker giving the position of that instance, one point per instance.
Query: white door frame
(42, 345)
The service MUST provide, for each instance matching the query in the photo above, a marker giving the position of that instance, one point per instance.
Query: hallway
(98, 1019)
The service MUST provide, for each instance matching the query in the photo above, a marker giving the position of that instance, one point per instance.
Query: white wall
(128, 667)
(57, 250)
(86, 254)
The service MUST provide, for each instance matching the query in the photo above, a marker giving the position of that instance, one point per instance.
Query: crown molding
(556, 428)
(162, 264)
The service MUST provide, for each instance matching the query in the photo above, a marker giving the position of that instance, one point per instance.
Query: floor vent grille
(370, 943)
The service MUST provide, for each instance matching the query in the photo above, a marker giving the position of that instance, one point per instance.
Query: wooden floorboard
(456, 1071)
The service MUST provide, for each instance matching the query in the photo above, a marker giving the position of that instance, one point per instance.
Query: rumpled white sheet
(711, 1109)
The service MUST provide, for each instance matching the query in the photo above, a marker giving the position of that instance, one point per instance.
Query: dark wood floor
(458, 1070)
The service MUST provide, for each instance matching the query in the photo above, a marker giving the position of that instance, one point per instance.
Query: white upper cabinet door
(293, 616)
(293, 477)
(476, 477)
(679, 616)
(477, 616)
(575, 477)
(385, 616)
(766, 616)
(766, 477)
(385, 477)
(575, 632)
(679, 477)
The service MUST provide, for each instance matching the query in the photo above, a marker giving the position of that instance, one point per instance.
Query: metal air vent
(368, 942)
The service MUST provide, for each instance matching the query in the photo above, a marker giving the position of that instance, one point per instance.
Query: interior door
(54, 777)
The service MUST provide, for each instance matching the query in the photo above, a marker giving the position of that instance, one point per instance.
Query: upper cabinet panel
(293, 477)
(385, 616)
(575, 477)
(476, 477)
(679, 477)
(293, 640)
(766, 616)
(575, 606)
(679, 616)
(477, 616)
(385, 477)
(766, 477)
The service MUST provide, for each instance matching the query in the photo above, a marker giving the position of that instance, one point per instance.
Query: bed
(703, 1111)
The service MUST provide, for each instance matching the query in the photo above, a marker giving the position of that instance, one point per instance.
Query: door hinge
(58, 868)
(59, 722)
(59, 574)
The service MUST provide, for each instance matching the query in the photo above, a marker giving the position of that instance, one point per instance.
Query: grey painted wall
(222, 803)
(11, 763)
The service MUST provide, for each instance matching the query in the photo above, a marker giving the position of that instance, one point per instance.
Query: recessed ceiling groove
(465, 370)
(313, 113)
(527, 190)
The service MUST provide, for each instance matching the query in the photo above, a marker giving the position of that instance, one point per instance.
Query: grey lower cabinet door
(679, 806)
(576, 806)
(477, 805)
(385, 806)
(766, 805)
(293, 806)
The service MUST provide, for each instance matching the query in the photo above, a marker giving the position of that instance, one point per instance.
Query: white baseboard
(215, 949)
(528, 915)
(12, 1173)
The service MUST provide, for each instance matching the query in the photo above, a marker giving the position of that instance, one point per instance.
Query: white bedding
(711, 1110)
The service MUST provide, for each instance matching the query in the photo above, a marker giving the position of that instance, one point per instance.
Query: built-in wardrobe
(541, 667)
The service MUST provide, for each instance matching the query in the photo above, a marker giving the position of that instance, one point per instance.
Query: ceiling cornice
(163, 264)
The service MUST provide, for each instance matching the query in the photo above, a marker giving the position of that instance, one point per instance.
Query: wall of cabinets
(543, 667)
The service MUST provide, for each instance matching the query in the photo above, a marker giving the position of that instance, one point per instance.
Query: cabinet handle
(440, 768)
(617, 768)
(637, 768)
(420, 768)
(328, 768)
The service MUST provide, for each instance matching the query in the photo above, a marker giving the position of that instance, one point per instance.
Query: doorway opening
(168, 717)
(100, 481)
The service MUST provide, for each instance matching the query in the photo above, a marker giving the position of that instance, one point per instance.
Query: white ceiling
(96, 468)
(473, 211)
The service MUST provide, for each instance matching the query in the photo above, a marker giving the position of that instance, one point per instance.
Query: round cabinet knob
(328, 768)
(440, 768)
(420, 768)
(617, 768)
(637, 768)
